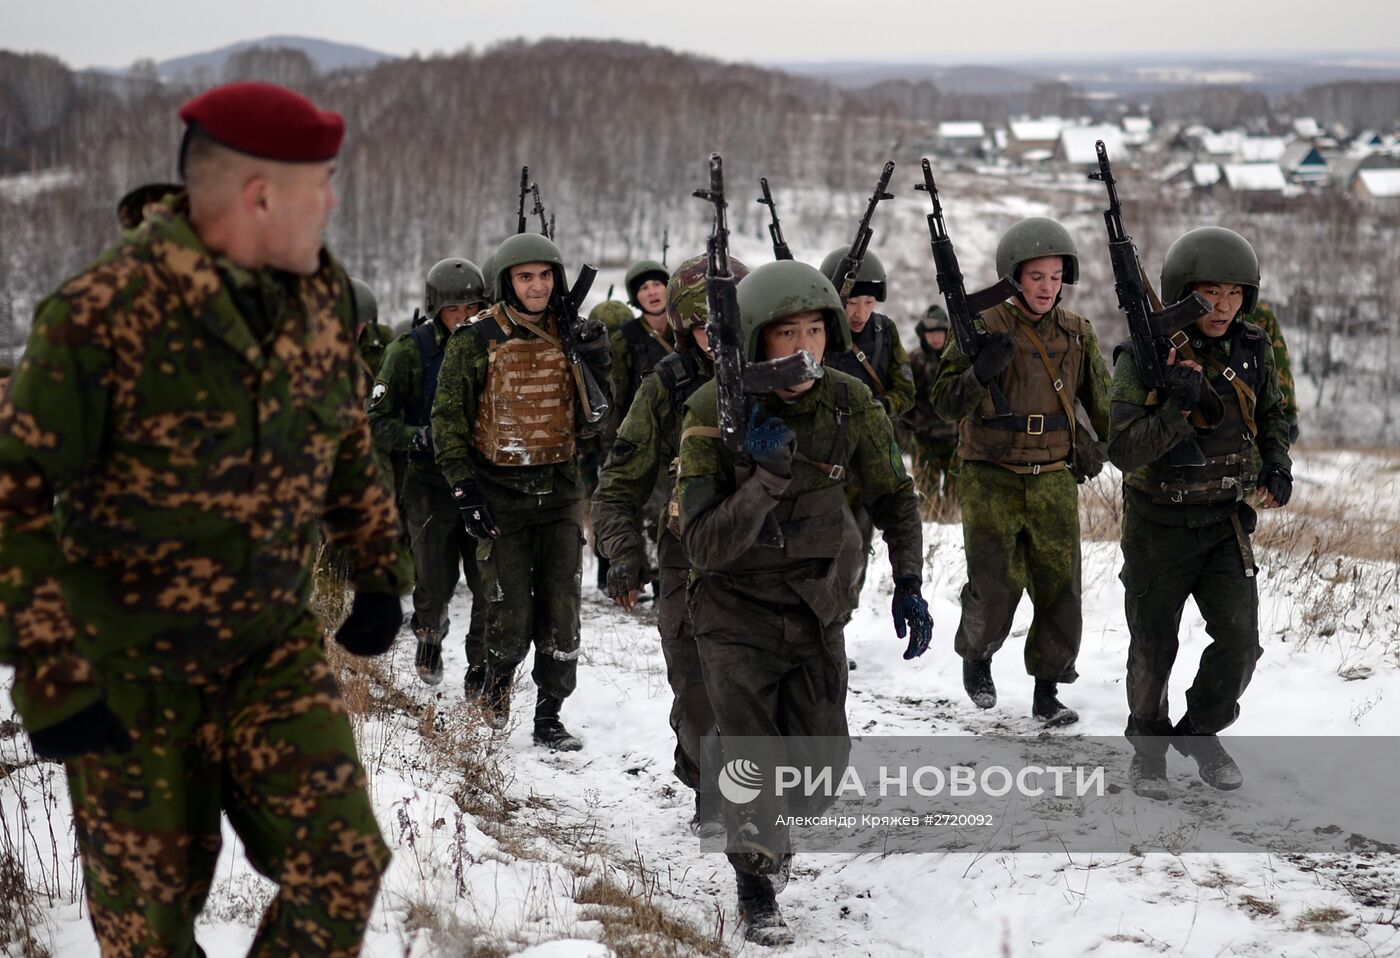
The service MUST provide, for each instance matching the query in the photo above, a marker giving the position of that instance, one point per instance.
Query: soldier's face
(533, 284)
(1225, 300)
(936, 338)
(457, 314)
(1041, 282)
(292, 210)
(858, 310)
(786, 337)
(652, 297)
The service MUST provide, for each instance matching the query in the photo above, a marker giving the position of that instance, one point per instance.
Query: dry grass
(1325, 920)
(1258, 907)
(634, 926)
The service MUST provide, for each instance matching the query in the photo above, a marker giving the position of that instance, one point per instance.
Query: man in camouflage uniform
(185, 415)
(399, 411)
(371, 336)
(612, 314)
(1017, 488)
(1186, 527)
(640, 343)
(505, 424)
(766, 531)
(929, 439)
(641, 461)
(1266, 319)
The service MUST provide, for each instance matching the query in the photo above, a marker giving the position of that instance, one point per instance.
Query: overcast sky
(103, 33)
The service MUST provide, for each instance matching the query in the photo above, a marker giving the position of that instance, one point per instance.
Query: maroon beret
(266, 120)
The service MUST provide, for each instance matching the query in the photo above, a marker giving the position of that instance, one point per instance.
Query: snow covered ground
(594, 840)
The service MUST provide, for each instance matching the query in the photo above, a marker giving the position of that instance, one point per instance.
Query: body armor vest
(1034, 429)
(646, 351)
(876, 343)
(1229, 471)
(525, 416)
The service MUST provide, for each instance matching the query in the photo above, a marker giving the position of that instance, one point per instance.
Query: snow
(1380, 183)
(961, 130)
(1077, 143)
(1253, 177)
(1205, 174)
(1045, 130)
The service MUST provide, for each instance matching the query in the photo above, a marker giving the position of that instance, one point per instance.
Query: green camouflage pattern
(443, 553)
(897, 376)
(1021, 535)
(166, 458)
(374, 341)
(626, 377)
(611, 313)
(272, 749)
(1266, 319)
(396, 390)
(930, 440)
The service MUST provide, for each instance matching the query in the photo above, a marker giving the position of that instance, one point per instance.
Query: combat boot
(549, 731)
(758, 911)
(1147, 776)
(977, 682)
(1215, 766)
(476, 682)
(708, 821)
(428, 660)
(495, 698)
(1046, 706)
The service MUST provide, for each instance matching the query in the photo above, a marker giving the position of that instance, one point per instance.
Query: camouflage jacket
(1143, 433)
(394, 401)
(879, 342)
(461, 383)
(164, 469)
(794, 539)
(635, 354)
(374, 340)
(1264, 317)
(921, 422)
(647, 442)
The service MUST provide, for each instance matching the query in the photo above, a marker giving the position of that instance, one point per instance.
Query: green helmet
(870, 278)
(1211, 254)
(366, 306)
(488, 272)
(641, 271)
(611, 313)
(778, 290)
(935, 317)
(687, 304)
(1033, 238)
(453, 282)
(520, 249)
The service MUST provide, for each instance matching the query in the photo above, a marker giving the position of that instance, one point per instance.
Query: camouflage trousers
(1021, 533)
(440, 547)
(271, 748)
(934, 475)
(1162, 566)
(530, 578)
(692, 718)
(773, 670)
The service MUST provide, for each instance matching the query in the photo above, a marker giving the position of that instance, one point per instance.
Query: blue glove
(770, 444)
(911, 615)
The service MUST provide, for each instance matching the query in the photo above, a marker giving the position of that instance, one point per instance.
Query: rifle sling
(1243, 393)
(834, 469)
(874, 376)
(1055, 380)
(658, 337)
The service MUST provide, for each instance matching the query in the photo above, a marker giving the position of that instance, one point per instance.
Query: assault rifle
(538, 210)
(737, 380)
(963, 308)
(850, 263)
(665, 244)
(524, 188)
(566, 307)
(1153, 329)
(775, 228)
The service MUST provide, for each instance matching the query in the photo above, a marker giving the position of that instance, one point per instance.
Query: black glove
(1184, 385)
(992, 359)
(592, 344)
(623, 577)
(1292, 433)
(911, 614)
(422, 441)
(96, 729)
(770, 444)
(476, 511)
(1277, 481)
(373, 622)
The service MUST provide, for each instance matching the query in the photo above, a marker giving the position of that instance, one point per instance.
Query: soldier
(612, 314)
(639, 344)
(155, 564)
(505, 424)
(1266, 319)
(765, 532)
(642, 458)
(1186, 528)
(371, 336)
(930, 440)
(1016, 487)
(399, 411)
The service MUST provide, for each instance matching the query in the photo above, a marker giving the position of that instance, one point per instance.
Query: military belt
(1033, 425)
(1032, 468)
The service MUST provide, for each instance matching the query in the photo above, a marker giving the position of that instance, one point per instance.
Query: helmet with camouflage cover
(687, 304)
(870, 278)
(611, 313)
(366, 306)
(1033, 238)
(453, 282)
(935, 317)
(518, 250)
(778, 290)
(641, 271)
(1211, 254)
